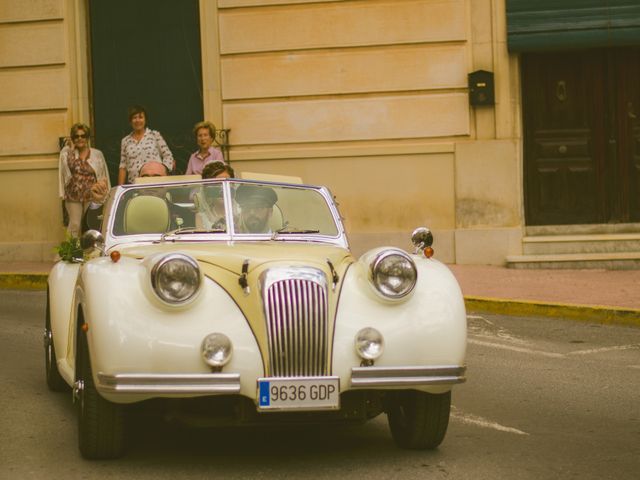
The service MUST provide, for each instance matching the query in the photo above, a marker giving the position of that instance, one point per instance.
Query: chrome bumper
(370, 377)
(166, 383)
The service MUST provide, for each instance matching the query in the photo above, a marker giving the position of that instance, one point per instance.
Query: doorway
(581, 113)
(145, 52)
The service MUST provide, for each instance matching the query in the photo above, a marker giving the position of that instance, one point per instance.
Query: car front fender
(130, 332)
(428, 328)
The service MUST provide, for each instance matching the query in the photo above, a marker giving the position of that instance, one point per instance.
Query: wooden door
(627, 175)
(563, 138)
(581, 137)
(146, 52)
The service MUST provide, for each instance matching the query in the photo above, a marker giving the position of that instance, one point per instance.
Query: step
(584, 229)
(610, 261)
(591, 243)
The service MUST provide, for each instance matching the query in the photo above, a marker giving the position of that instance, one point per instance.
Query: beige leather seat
(276, 222)
(146, 214)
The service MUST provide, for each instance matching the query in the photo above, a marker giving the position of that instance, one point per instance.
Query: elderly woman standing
(80, 168)
(205, 133)
(142, 145)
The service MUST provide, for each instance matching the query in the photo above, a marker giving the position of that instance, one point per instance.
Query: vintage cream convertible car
(239, 302)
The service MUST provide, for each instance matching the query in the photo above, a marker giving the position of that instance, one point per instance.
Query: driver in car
(256, 208)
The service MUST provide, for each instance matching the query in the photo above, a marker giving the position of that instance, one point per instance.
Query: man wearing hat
(256, 204)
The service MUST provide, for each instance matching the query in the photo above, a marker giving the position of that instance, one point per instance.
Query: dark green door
(145, 52)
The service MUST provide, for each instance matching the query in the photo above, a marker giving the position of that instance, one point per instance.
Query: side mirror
(92, 239)
(422, 238)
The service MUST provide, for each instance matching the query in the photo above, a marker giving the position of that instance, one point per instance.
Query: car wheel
(55, 382)
(100, 422)
(418, 420)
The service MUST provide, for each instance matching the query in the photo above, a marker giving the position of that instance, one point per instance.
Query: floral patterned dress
(78, 189)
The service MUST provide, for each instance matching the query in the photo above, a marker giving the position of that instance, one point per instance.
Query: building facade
(370, 97)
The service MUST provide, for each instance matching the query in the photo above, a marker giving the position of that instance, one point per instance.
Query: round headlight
(176, 278)
(393, 274)
(369, 343)
(216, 349)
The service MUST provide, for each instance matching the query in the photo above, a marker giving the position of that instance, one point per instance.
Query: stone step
(591, 243)
(587, 229)
(610, 261)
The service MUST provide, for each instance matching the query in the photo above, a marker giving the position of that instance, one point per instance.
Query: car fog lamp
(176, 278)
(369, 343)
(393, 274)
(217, 349)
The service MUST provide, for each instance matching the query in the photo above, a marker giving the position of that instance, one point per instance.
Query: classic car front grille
(296, 315)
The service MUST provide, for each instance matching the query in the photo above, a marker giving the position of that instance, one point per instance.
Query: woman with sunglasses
(80, 168)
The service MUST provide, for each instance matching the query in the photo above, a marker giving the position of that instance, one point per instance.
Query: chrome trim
(296, 312)
(163, 383)
(376, 261)
(78, 392)
(368, 377)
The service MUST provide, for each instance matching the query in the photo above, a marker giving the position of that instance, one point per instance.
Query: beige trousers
(75, 211)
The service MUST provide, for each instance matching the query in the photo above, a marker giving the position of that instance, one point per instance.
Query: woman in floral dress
(80, 168)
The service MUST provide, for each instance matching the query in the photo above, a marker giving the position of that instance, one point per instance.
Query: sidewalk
(605, 296)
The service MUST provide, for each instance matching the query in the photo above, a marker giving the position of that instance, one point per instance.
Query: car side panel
(62, 280)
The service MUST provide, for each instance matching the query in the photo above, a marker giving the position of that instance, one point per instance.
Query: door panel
(627, 178)
(581, 115)
(562, 146)
(146, 52)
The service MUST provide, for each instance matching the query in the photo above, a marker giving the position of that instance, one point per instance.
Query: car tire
(418, 420)
(101, 424)
(55, 382)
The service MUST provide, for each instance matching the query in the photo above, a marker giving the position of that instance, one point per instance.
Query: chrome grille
(295, 301)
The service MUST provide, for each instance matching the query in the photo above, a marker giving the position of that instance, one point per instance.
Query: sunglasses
(76, 137)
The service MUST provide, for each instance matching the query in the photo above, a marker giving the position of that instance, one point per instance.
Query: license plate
(312, 393)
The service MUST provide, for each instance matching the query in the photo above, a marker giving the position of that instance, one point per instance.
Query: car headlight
(176, 278)
(369, 343)
(216, 349)
(393, 274)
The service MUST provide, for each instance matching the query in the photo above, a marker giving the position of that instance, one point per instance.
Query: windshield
(238, 208)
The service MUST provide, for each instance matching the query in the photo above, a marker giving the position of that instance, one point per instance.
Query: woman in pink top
(204, 132)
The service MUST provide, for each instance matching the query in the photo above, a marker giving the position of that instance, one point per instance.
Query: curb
(23, 281)
(528, 308)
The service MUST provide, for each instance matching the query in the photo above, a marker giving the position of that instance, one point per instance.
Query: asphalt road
(545, 399)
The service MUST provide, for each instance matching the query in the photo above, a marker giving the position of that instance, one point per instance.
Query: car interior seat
(146, 214)
(277, 221)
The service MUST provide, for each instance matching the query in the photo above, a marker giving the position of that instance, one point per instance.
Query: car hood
(230, 256)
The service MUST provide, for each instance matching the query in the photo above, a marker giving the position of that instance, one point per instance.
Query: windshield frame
(117, 194)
